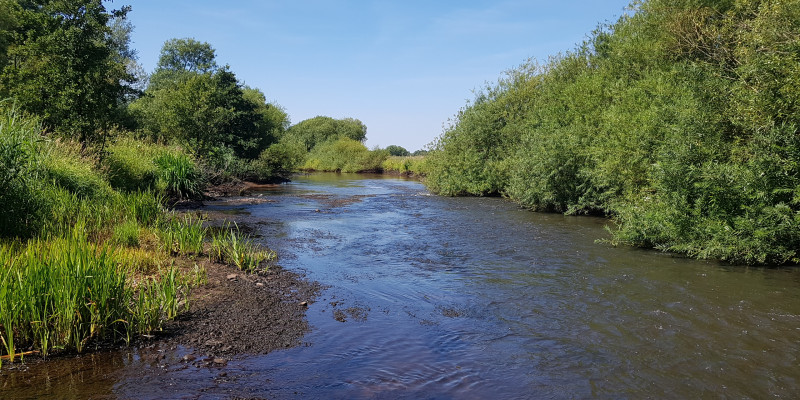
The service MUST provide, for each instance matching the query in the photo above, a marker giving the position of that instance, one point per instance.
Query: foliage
(187, 55)
(318, 130)
(279, 159)
(192, 102)
(60, 65)
(415, 165)
(21, 173)
(679, 121)
(397, 151)
(344, 155)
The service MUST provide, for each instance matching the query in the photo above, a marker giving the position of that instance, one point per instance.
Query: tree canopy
(59, 62)
(320, 129)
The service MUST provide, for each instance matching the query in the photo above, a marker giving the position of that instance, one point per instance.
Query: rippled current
(433, 297)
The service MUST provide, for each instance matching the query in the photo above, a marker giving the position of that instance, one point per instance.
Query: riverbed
(435, 297)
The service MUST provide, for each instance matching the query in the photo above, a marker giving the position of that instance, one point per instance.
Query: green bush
(344, 155)
(280, 158)
(679, 121)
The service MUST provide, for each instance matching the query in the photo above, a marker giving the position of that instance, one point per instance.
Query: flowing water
(433, 297)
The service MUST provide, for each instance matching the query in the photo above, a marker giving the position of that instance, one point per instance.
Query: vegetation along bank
(679, 121)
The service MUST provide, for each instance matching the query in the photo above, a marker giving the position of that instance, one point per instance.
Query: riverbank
(230, 312)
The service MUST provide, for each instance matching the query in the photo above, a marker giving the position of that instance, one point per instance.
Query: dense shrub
(679, 121)
(344, 155)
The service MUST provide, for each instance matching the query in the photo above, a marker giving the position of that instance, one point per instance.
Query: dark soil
(239, 313)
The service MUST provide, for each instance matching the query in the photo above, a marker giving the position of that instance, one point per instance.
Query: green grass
(344, 155)
(231, 246)
(183, 235)
(63, 293)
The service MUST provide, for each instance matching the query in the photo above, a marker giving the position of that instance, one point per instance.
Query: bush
(278, 159)
(344, 155)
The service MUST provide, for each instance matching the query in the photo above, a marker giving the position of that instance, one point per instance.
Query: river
(460, 298)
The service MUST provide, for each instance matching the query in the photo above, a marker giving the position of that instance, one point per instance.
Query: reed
(62, 293)
(183, 235)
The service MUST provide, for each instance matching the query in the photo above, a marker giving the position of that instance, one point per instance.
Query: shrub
(344, 155)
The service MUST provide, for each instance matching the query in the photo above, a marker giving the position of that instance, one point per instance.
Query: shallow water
(432, 297)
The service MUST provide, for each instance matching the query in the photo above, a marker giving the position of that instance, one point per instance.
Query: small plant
(178, 174)
(183, 235)
(233, 247)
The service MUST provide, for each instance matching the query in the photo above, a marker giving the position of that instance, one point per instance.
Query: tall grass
(21, 173)
(178, 174)
(62, 293)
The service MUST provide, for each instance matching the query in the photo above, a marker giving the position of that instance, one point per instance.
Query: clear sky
(402, 67)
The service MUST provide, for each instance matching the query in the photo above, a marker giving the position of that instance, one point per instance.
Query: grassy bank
(88, 250)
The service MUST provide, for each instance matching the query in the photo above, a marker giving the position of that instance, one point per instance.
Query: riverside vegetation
(94, 150)
(679, 121)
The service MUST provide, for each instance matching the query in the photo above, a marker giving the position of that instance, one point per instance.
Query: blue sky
(402, 67)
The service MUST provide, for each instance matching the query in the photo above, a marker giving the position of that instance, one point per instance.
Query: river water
(459, 298)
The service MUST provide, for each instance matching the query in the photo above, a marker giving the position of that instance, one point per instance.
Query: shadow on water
(474, 298)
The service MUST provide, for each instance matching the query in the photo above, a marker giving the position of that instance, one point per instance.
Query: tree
(397, 151)
(320, 129)
(61, 65)
(187, 55)
(204, 107)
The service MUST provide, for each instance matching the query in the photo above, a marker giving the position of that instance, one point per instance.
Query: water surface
(432, 297)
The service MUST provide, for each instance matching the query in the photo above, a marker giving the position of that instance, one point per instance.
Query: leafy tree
(187, 55)
(191, 101)
(61, 65)
(321, 129)
(395, 150)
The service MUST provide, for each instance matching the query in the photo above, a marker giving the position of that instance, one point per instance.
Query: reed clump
(62, 293)
(230, 245)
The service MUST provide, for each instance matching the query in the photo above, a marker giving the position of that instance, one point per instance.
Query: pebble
(220, 361)
(189, 358)
(259, 284)
(304, 303)
(232, 277)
